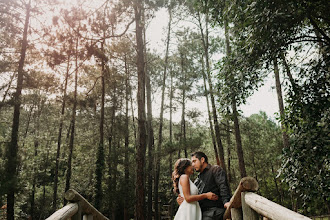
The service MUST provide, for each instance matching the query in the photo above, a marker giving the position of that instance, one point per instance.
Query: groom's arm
(221, 181)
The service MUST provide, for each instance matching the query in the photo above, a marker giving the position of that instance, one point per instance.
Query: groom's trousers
(213, 213)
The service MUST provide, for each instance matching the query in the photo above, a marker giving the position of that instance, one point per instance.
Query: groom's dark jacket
(213, 179)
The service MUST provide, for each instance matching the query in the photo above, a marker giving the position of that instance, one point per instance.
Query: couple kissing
(207, 197)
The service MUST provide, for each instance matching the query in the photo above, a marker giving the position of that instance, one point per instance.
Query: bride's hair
(179, 168)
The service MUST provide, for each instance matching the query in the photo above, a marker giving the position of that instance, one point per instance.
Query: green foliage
(262, 149)
(236, 79)
(260, 31)
(306, 165)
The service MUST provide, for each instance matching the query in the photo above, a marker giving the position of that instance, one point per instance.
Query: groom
(210, 179)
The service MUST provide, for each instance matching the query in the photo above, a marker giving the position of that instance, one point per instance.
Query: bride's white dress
(189, 211)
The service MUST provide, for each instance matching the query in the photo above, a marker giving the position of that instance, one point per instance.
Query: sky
(265, 99)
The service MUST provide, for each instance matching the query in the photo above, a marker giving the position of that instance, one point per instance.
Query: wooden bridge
(245, 204)
(78, 208)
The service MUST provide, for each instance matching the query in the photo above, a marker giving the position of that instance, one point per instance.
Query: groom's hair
(199, 155)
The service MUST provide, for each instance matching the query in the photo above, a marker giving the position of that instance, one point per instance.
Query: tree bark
(141, 146)
(171, 142)
(126, 162)
(12, 162)
(133, 118)
(100, 153)
(59, 138)
(238, 139)
(183, 118)
(240, 154)
(36, 144)
(228, 152)
(73, 121)
(111, 150)
(150, 145)
(114, 179)
(28, 124)
(209, 115)
(280, 102)
(205, 41)
(288, 72)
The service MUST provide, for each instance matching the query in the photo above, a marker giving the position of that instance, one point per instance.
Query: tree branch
(327, 38)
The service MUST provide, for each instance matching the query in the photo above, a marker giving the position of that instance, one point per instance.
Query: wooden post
(248, 212)
(246, 184)
(88, 217)
(77, 216)
(236, 214)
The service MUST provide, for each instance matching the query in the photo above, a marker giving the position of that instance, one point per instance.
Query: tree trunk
(7, 91)
(209, 114)
(171, 142)
(12, 162)
(36, 144)
(126, 162)
(111, 150)
(73, 122)
(141, 146)
(59, 138)
(240, 154)
(205, 40)
(238, 139)
(228, 152)
(150, 145)
(276, 185)
(43, 201)
(100, 152)
(133, 118)
(35, 169)
(161, 118)
(288, 72)
(280, 102)
(114, 179)
(28, 124)
(183, 118)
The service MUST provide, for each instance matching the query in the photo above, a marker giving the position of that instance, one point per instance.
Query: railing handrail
(271, 209)
(78, 205)
(64, 213)
(253, 205)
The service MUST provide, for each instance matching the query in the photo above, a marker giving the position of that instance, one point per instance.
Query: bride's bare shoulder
(184, 178)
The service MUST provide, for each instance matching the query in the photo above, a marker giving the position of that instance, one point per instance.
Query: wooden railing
(78, 208)
(247, 205)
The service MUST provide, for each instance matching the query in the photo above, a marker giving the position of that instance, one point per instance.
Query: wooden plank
(246, 184)
(64, 213)
(73, 196)
(248, 212)
(270, 209)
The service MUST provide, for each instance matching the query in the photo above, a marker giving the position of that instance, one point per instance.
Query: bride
(189, 209)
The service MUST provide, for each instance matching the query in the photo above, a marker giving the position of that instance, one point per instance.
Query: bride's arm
(184, 181)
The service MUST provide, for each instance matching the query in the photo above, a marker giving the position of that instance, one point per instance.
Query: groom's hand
(179, 199)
